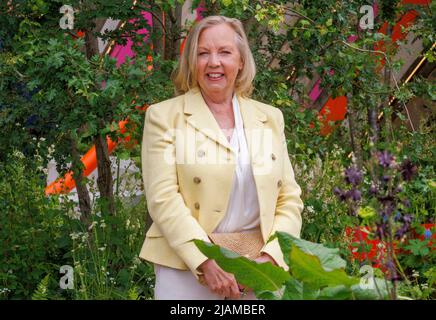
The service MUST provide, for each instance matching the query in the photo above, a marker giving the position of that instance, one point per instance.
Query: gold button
(279, 183)
(201, 153)
(197, 205)
(273, 156)
(197, 180)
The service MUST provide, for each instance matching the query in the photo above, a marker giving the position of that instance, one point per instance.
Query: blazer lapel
(201, 118)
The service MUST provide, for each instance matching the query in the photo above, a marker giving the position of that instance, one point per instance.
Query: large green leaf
(296, 290)
(308, 268)
(355, 292)
(329, 258)
(340, 292)
(257, 276)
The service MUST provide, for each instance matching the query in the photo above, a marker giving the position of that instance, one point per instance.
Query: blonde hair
(185, 76)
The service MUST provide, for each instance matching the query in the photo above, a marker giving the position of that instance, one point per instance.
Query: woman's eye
(202, 53)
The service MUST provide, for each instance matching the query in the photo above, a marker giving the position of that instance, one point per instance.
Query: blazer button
(273, 156)
(197, 205)
(201, 153)
(279, 183)
(197, 180)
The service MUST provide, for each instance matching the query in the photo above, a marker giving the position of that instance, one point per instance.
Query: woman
(214, 160)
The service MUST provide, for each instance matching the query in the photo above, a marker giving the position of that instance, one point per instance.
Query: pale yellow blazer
(188, 169)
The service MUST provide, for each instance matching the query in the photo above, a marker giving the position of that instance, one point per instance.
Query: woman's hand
(219, 281)
(265, 257)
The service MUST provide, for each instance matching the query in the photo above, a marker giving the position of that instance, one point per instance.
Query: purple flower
(386, 178)
(398, 189)
(406, 203)
(381, 231)
(388, 209)
(390, 265)
(385, 159)
(373, 190)
(340, 193)
(353, 176)
(407, 218)
(397, 216)
(401, 231)
(354, 194)
(427, 234)
(408, 170)
(386, 200)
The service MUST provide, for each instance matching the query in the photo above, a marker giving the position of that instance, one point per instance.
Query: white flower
(310, 209)
(84, 237)
(136, 260)
(92, 225)
(75, 235)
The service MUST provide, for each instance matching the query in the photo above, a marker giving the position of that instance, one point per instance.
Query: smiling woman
(247, 192)
(218, 62)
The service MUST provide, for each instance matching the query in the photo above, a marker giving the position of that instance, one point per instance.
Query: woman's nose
(213, 60)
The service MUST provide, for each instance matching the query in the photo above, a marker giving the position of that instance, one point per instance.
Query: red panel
(333, 110)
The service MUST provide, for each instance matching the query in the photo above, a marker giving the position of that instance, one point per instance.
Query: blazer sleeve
(289, 205)
(164, 201)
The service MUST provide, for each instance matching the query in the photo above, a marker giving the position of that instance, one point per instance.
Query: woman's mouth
(215, 76)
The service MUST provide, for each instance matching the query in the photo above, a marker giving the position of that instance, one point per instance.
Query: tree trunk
(166, 32)
(82, 191)
(158, 32)
(104, 180)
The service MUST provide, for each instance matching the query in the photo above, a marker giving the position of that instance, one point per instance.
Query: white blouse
(243, 211)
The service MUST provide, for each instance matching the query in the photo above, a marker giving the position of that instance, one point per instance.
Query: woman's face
(218, 60)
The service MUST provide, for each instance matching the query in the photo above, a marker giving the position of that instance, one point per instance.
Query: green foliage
(32, 244)
(42, 291)
(315, 272)
(40, 234)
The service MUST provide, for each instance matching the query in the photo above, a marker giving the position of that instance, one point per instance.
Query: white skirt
(174, 284)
